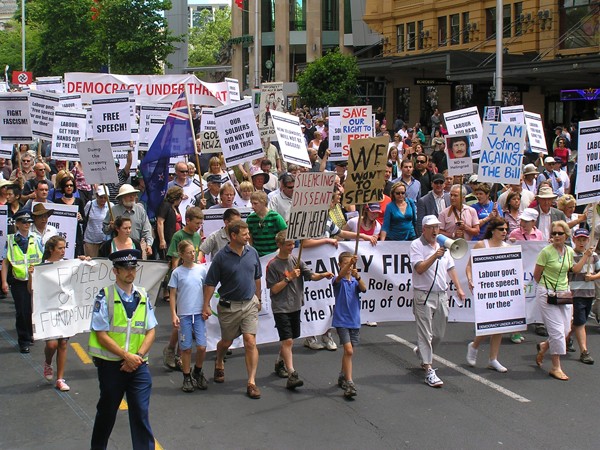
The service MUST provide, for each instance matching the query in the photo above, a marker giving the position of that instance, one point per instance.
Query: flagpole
(187, 100)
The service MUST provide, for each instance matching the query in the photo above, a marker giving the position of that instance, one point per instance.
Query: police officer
(23, 249)
(122, 332)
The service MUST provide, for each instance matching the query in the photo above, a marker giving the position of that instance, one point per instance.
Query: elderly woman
(486, 209)
(400, 217)
(512, 211)
(567, 204)
(552, 267)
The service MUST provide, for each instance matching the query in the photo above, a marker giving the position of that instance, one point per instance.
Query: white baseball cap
(430, 220)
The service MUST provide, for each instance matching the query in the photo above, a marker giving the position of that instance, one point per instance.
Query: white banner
(512, 114)
(213, 219)
(15, 120)
(291, 140)
(70, 101)
(64, 293)
(207, 119)
(310, 205)
(239, 135)
(152, 118)
(458, 154)
(498, 296)
(233, 87)
(6, 151)
(535, 132)
(588, 162)
(335, 134)
(111, 120)
(97, 162)
(64, 219)
(271, 99)
(41, 108)
(69, 128)
(466, 121)
(501, 153)
(356, 123)
(189, 193)
(49, 84)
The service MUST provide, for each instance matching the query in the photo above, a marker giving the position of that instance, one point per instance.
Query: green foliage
(208, 41)
(329, 81)
(10, 46)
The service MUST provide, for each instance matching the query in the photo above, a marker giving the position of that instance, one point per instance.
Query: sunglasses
(419, 161)
(184, 171)
(438, 182)
(289, 187)
(558, 233)
(400, 193)
(69, 185)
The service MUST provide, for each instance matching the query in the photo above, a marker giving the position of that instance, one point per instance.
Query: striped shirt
(263, 231)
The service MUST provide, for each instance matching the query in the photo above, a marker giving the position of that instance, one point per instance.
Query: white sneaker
(471, 355)
(432, 379)
(313, 344)
(371, 324)
(495, 365)
(328, 341)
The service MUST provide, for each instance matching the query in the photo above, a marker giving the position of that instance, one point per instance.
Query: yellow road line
(81, 353)
(157, 445)
(123, 405)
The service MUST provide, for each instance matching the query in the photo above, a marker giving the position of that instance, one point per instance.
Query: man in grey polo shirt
(237, 267)
(432, 266)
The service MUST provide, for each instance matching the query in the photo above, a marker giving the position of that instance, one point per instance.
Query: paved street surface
(476, 408)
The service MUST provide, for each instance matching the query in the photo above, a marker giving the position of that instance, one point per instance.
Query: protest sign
(458, 154)
(68, 129)
(64, 219)
(356, 123)
(111, 120)
(501, 153)
(147, 88)
(271, 99)
(41, 109)
(97, 162)
(213, 218)
(588, 163)
(6, 150)
(15, 120)
(366, 169)
(466, 121)
(498, 295)
(189, 193)
(207, 119)
(491, 114)
(238, 133)
(64, 293)
(310, 205)
(291, 140)
(512, 114)
(335, 134)
(49, 84)
(535, 132)
(152, 118)
(3, 229)
(209, 137)
(234, 90)
(70, 101)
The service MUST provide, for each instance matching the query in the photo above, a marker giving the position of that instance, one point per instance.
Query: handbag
(560, 297)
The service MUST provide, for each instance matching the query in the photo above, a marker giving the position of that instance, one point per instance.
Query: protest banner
(64, 219)
(498, 295)
(152, 118)
(291, 140)
(458, 154)
(335, 134)
(209, 137)
(366, 171)
(271, 99)
(356, 123)
(147, 88)
(6, 150)
(189, 193)
(535, 132)
(69, 127)
(49, 84)
(213, 218)
(501, 153)
(41, 109)
(466, 121)
(233, 87)
(70, 101)
(207, 119)
(97, 162)
(15, 120)
(238, 133)
(64, 293)
(588, 163)
(111, 121)
(3, 229)
(512, 114)
(387, 272)
(310, 205)
(491, 113)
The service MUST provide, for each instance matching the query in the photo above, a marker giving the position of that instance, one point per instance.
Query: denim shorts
(581, 310)
(189, 327)
(346, 335)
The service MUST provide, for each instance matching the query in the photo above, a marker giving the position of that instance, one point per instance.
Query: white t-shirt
(189, 284)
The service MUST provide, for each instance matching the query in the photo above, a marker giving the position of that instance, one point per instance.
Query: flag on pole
(175, 138)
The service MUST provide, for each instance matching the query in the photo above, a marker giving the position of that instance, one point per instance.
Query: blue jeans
(114, 383)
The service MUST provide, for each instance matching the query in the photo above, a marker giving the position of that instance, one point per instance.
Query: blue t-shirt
(237, 274)
(346, 313)
(189, 283)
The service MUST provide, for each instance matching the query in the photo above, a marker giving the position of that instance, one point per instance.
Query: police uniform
(21, 252)
(126, 319)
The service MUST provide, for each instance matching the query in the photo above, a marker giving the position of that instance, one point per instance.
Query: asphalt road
(476, 408)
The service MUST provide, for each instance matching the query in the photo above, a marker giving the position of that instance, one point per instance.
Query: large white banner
(15, 120)
(147, 88)
(588, 163)
(310, 205)
(64, 219)
(97, 162)
(356, 123)
(387, 273)
(498, 295)
(69, 128)
(64, 293)
(111, 120)
(466, 121)
(291, 140)
(501, 153)
(535, 132)
(41, 108)
(239, 135)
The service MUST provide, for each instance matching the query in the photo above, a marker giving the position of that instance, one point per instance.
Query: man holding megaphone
(432, 268)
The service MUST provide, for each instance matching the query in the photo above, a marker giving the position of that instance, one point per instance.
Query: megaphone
(458, 247)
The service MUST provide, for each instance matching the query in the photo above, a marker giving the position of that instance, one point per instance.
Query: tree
(10, 46)
(329, 81)
(208, 41)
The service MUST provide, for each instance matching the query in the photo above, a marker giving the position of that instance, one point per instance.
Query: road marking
(123, 405)
(469, 374)
(83, 356)
(157, 445)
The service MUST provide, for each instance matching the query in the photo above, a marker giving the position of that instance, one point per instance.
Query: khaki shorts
(240, 318)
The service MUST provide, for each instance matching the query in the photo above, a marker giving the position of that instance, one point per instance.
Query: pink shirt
(468, 215)
(535, 235)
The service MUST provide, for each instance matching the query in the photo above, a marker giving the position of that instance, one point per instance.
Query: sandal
(558, 374)
(539, 358)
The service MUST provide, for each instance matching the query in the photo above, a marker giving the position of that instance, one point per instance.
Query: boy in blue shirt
(346, 316)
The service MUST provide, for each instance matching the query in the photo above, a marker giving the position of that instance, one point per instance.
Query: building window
(298, 15)
(400, 38)
(410, 36)
(465, 28)
(267, 17)
(490, 23)
(330, 11)
(577, 24)
(402, 103)
(506, 23)
(454, 29)
(442, 31)
(518, 9)
(421, 35)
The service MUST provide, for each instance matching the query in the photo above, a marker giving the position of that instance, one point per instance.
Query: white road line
(469, 374)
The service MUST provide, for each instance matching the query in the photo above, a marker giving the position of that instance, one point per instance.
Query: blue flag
(175, 138)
